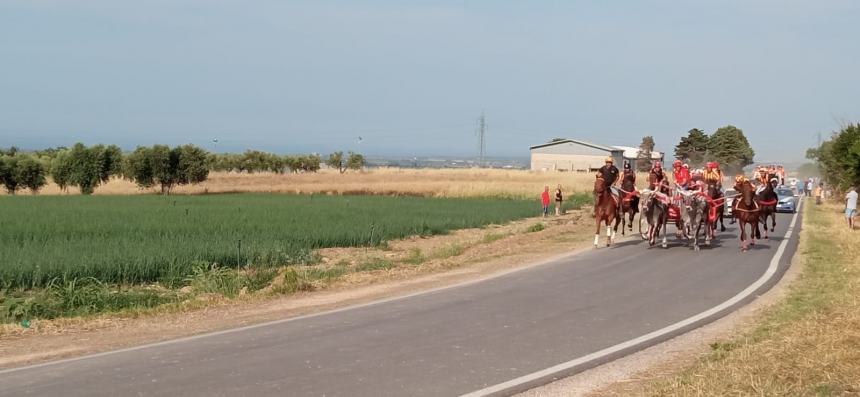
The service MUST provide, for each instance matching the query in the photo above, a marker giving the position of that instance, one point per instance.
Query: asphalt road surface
(500, 335)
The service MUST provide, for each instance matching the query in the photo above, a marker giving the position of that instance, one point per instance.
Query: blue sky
(411, 78)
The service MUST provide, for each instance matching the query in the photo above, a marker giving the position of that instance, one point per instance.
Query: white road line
(771, 270)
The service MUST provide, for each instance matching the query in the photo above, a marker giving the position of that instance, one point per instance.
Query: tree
(85, 164)
(335, 160)
(61, 169)
(192, 167)
(693, 147)
(31, 174)
(730, 148)
(355, 161)
(110, 161)
(9, 174)
(166, 167)
(309, 163)
(643, 159)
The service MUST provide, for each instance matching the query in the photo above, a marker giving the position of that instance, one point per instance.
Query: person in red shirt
(544, 199)
(681, 174)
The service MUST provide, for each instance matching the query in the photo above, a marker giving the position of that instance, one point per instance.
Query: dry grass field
(380, 181)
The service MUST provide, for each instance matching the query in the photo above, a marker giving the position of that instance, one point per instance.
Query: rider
(762, 177)
(656, 178)
(609, 173)
(681, 173)
(713, 175)
(628, 173)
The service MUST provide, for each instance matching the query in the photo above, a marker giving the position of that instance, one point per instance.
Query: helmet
(609, 159)
(677, 163)
(657, 165)
(712, 164)
(740, 178)
(626, 165)
(716, 164)
(687, 166)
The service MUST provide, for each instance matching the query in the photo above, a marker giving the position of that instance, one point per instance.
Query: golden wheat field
(378, 181)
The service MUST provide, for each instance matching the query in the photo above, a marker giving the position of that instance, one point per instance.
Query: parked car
(787, 199)
(729, 199)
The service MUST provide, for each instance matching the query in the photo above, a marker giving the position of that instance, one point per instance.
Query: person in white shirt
(851, 207)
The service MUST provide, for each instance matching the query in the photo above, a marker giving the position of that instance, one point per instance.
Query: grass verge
(808, 344)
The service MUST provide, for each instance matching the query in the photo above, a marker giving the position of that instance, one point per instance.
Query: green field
(139, 239)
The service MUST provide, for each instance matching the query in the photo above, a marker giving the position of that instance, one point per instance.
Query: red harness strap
(769, 202)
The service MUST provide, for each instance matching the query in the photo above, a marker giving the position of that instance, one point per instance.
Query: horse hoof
(664, 245)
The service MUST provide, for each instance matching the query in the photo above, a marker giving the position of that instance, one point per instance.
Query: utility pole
(481, 132)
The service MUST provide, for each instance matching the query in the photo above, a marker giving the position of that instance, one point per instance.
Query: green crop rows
(138, 239)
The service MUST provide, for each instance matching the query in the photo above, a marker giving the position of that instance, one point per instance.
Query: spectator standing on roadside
(800, 185)
(558, 199)
(808, 187)
(851, 207)
(819, 193)
(544, 200)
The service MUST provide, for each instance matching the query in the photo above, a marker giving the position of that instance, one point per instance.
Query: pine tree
(730, 148)
(693, 147)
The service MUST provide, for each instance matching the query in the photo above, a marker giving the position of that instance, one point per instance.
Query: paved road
(447, 342)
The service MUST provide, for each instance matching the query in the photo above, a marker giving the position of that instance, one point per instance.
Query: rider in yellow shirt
(713, 175)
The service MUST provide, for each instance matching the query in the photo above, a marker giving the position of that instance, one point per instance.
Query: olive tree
(160, 165)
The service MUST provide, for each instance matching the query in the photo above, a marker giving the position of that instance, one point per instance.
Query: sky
(411, 78)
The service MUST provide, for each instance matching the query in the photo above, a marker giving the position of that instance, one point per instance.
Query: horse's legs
(773, 223)
(665, 222)
(743, 228)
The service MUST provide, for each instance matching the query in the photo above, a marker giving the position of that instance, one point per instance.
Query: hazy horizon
(411, 79)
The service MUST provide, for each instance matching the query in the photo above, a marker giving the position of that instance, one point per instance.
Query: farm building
(576, 155)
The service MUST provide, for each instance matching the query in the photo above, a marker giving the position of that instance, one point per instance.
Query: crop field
(144, 238)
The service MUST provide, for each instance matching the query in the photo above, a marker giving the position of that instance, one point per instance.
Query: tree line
(156, 166)
(727, 145)
(838, 158)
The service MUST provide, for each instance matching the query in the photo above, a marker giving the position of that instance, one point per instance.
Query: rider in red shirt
(681, 174)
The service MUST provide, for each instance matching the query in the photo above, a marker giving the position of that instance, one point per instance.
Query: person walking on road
(851, 207)
(558, 199)
(544, 200)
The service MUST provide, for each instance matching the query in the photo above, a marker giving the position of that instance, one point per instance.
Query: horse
(767, 200)
(605, 210)
(718, 206)
(696, 209)
(747, 212)
(656, 212)
(629, 204)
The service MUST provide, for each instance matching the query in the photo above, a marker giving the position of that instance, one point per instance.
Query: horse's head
(747, 193)
(599, 185)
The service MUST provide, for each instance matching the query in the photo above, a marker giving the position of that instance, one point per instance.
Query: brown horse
(747, 212)
(605, 210)
(718, 207)
(767, 200)
(629, 204)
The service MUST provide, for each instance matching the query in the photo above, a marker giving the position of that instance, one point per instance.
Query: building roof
(631, 152)
(584, 143)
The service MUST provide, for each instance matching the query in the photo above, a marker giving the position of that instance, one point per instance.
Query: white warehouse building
(576, 155)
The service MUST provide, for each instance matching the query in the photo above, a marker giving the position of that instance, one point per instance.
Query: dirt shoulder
(420, 264)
